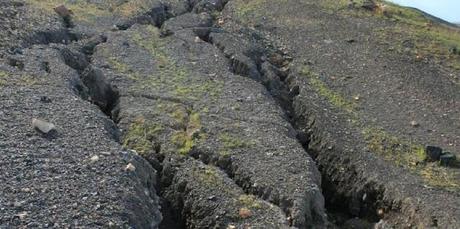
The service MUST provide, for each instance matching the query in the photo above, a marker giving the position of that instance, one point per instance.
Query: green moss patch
(324, 91)
(250, 201)
(118, 66)
(176, 79)
(141, 135)
(230, 142)
(209, 176)
(3, 78)
(187, 138)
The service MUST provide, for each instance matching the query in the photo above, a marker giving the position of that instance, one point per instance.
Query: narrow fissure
(339, 205)
(95, 88)
(58, 36)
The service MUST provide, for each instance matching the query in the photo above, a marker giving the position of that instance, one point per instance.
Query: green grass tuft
(323, 90)
(410, 156)
(141, 134)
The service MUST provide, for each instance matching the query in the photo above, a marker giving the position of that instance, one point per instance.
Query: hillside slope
(228, 114)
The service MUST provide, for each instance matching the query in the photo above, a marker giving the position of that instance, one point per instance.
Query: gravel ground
(225, 114)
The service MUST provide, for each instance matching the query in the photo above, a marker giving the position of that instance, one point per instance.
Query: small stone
(447, 159)
(25, 189)
(94, 158)
(45, 99)
(350, 40)
(212, 198)
(433, 153)
(42, 126)
(245, 213)
(18, 204)
(197, 39)
(231, 227)
(369, 5)
(22, 215)
(130, 167)
(106, 153)
(62, 11)
(356, 97)
(414, 124)
(380, 212)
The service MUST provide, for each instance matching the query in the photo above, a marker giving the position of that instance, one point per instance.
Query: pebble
(433, 153)
(350, 40)
(22, 215)
(43, 126)
(414, 124)
(130, 167)
(447, 159)
(94, 158)
(106, 153)
(45, 99)
(245, 213)
(62, 11)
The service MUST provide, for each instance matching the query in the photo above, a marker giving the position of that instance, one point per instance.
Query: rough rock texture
(76, 175)
(171, 97)
(373, 88)
(180, 91)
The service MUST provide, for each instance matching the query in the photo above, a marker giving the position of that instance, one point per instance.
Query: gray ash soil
(224, 114)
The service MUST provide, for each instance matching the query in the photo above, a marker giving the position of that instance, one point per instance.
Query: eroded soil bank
(219, 114)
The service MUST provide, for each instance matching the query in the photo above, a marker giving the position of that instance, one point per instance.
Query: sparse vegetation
(230, 142)
(183, 141)
(118, 66)
(3, 78)
(170, 76)
(323, 90)
(249, 201)
(248, 9)
(208, 175)
(141, 135)
(186, 139)
(411, 156)
(90, 11)
(431, 39)
(392, 148)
